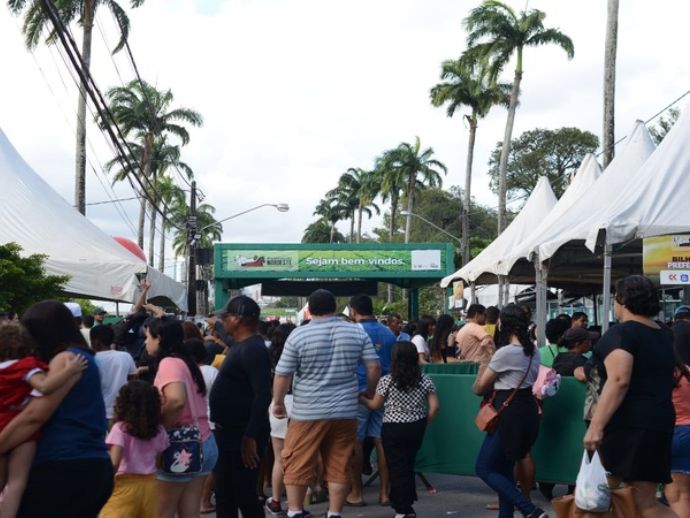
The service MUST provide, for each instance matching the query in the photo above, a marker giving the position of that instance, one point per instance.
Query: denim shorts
(210, 449)
(680, 451)
(368, 423)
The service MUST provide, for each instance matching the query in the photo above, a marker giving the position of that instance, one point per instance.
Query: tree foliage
(23, 280)
(555, 154)
(321, 231)
(666, 122)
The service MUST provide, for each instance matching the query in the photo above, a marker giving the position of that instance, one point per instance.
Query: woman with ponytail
(183, 393)
(507, 377)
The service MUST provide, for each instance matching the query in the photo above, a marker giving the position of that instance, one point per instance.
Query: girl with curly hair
(135, 441)
(410, 401)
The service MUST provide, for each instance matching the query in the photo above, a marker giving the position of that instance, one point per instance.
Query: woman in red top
(678, 492)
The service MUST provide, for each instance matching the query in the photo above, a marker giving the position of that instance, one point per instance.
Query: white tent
(37, 218)
(486, 264)
(586, 175)
(655, 200)
(577, 221)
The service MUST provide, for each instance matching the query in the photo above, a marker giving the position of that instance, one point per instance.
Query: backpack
(547, 384)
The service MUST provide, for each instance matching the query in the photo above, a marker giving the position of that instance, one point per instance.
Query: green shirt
(548, 353)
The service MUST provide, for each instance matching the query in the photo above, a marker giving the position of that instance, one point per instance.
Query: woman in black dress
(632, 426)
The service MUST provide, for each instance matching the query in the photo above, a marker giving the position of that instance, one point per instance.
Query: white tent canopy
(37, 218)
(538, 205)
(586, 175)
(655, 200)
(578, 220)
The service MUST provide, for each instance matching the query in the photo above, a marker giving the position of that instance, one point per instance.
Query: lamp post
(434, 225)
(456, 238)
(195, 236)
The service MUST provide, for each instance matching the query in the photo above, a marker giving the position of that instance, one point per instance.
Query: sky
(294, 92)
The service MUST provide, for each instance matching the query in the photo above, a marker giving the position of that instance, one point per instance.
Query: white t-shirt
(209, 373)
(115, 367)
(421, 344)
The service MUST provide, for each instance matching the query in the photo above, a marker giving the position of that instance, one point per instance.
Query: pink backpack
(547, 384)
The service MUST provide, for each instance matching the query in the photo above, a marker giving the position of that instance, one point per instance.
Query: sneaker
(333, 515)
(273, 507)
(303, 514)
(538, 513)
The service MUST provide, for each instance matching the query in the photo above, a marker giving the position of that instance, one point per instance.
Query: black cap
(244, 307)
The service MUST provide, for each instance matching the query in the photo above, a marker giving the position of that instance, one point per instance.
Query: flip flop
(355, 504)
(207, 510)
(493, 506)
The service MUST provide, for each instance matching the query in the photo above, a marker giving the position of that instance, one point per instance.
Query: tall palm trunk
(152, 231)
(610, 80)
(359, 224)
(80, 161)
(410, 205)
(503, 166)
(161, 249)
(465, 218)
(391, 233)
(352, 227)
(142, 221)
(505, 148)
(332, 232)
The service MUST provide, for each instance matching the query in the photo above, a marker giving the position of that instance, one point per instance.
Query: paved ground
(461, 497)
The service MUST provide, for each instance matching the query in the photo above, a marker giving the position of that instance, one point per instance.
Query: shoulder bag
(185, 454)
(487, 417)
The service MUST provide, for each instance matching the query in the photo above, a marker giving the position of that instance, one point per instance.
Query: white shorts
(279, 426)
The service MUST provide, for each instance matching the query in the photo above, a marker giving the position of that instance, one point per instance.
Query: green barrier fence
(452, 441)
(451, 368)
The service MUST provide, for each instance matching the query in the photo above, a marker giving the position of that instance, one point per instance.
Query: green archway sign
(345, 269)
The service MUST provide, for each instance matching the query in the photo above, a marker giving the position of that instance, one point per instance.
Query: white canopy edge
(579, 219)
(586, 175)
(538, 205)
(35, 216)
(655, 200)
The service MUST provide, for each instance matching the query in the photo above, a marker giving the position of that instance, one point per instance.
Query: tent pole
(473, 293)
(595, 299)
(541, 273)
(606, 295)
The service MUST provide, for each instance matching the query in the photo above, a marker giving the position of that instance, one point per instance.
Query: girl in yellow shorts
(135, 441)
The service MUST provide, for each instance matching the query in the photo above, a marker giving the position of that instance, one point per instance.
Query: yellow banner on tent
(666, 259)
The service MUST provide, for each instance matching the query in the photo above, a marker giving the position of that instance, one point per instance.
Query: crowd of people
(155, 417)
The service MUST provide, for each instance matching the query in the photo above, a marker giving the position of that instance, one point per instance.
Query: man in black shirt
(681, 333)
(578, 341)
(239, 407)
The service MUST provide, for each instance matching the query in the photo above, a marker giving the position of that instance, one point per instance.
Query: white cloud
(295, 92)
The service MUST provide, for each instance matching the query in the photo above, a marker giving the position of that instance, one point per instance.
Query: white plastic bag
(591, 488)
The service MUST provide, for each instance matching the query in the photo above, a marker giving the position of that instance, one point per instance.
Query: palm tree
(171, 197)
(36, 22)
(393, 182)
(610, 80)
(419, 170)
(494, 34)
(163, 157)
(145, 112)
(331, 211)
(464, 86)
(357, 189)
(320, 231)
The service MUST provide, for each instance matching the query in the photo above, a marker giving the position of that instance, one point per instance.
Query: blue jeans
(494, 468)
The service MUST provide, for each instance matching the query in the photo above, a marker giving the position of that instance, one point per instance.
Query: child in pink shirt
(136, 441)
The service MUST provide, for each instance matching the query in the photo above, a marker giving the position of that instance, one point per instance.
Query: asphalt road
(461, 497)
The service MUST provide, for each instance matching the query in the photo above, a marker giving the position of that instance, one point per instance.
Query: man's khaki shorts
(334, 439)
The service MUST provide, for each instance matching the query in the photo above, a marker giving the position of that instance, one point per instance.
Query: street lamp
(280, 207)
(408, 213)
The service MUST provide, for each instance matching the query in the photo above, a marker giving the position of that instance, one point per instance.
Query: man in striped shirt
(322, 357)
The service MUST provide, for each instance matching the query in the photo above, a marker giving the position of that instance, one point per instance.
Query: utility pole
(192, 238)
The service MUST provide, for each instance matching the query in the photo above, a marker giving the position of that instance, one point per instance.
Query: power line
(87, 81)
